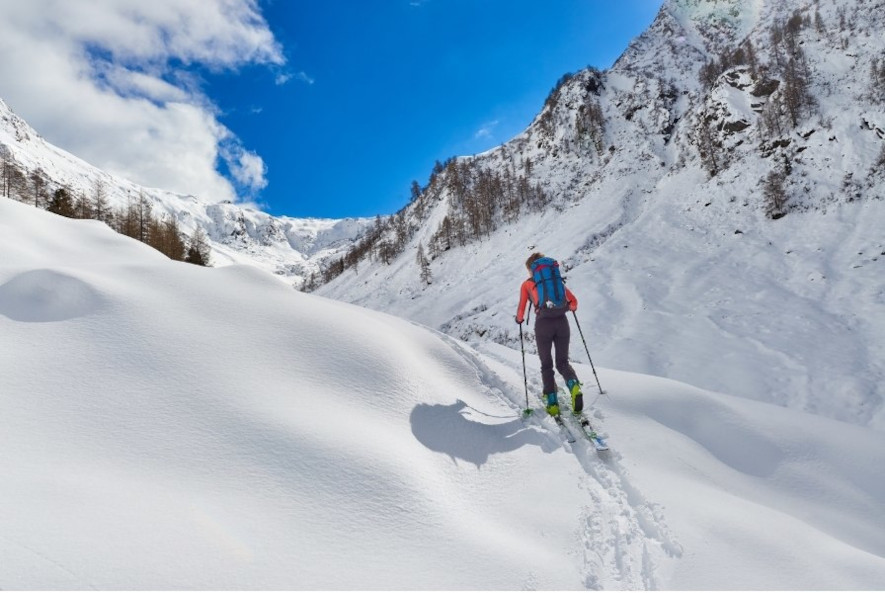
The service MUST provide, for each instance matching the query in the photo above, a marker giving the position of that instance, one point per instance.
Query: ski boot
(574, 388)
(552, 404)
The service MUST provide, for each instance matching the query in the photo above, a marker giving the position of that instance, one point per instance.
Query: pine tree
(61, 203)
(198, 248)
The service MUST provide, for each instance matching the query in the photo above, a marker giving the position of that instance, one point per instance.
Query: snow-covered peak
(167, 426)
(292, 248)
(716, 24)
(686, 33)
(715, 196)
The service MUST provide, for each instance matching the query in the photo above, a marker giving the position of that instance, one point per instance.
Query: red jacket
(528, 291)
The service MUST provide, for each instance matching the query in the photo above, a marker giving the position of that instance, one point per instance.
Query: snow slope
(169, 426)
(238, 233)
(681, 273)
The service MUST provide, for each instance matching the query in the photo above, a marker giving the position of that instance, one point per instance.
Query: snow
(681, 274)
(173, 427)
(237, 233)
(170, 426)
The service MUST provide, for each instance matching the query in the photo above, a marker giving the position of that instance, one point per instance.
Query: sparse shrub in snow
(775, 194)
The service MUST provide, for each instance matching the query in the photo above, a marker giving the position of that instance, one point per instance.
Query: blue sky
(377, 91)
(321, 108)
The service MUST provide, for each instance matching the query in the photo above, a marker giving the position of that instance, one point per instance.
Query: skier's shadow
(447, 430)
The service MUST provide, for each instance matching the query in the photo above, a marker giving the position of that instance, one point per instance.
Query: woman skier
(551, 300)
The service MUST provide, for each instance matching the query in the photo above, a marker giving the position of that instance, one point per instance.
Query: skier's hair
(532, 259)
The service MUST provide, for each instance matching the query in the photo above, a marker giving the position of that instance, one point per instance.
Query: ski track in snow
(129, 469)
(624, 536)
(11, 551)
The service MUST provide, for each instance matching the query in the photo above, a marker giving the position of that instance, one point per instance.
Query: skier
(551, 300)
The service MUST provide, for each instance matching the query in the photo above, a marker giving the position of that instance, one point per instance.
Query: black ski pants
(550, 333)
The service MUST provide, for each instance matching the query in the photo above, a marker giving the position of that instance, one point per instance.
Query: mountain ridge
(292, 248)
(750, 159)
(747, 146)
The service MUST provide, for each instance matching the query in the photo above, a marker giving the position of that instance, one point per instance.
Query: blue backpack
(550, 286)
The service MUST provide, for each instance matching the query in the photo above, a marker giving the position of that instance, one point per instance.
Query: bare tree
(879, 165)
(38, 184)
(709, 146)
(7, 165)
(877, 81)
(796, 95)
(775, 194)
(165, 236)
(423, 265)
(126, 220)
(590, 123)
(143, 214)
(100, 205)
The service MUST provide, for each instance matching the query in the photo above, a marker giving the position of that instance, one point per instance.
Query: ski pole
(588, 353)
(525, 377)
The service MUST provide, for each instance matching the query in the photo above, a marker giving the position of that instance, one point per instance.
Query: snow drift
(169, 426)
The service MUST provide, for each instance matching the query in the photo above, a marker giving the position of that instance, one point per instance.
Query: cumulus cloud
(113, 81)
(247, 168)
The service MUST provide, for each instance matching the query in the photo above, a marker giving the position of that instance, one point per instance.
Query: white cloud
(486, 130)
(246, 167)
(282, 78)
(303, 77)
(109, 81)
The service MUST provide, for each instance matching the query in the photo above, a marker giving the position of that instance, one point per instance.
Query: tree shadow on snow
(448, 430)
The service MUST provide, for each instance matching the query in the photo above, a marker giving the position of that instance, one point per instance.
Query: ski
(591, 435)
(597, 441)
(564, 428)
(567, 433)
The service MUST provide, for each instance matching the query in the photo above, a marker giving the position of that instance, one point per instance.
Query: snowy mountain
(716, 198)
(290, 247)
(168, 426)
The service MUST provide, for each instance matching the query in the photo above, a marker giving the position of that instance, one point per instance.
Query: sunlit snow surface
(170, 426)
